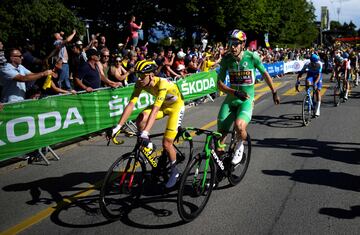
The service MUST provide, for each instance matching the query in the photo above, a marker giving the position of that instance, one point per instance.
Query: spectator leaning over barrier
(104, 60)
(194, 66)
(168, 62)
(118, 73)
(54, 88)
(89, 73)
(14, 76)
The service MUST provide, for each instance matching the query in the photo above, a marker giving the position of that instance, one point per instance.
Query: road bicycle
(308, 105)
(206, 170)
(125, 179)
(339, 90)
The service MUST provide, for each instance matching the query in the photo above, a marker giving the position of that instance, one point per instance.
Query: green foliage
(286, 21)
(37, 20)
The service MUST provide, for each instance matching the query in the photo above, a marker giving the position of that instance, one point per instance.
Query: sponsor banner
(198, 85)
(32, 124)
(294, 66)
(273, 69)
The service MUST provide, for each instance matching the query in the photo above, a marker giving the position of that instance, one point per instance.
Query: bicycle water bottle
(149, 148)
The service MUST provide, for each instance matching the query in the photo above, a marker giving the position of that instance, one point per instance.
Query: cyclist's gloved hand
(144, 138)
(116, 130)
(276, 98)
(241, 95)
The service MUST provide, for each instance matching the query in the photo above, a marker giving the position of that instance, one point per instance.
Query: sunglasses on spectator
(105, 55)
(20, 56)
(235, 43)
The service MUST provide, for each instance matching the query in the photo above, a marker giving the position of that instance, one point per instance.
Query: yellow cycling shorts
(175, 111)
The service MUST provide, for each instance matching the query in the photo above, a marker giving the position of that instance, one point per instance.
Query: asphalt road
(301, 180)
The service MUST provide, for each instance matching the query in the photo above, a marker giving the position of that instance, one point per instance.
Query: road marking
(38, 217)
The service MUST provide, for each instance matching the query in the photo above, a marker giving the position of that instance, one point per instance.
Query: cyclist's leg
(225, 119)
(318, 96)
(347, 85)
(176, 114)
(142, 118)
(243, 117)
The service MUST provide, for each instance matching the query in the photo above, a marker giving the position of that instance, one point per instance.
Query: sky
(349, 10)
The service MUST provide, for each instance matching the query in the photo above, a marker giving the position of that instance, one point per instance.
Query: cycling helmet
(338, 59)
(237, 34)
(314, 58)
(345, 55)
(145, 66)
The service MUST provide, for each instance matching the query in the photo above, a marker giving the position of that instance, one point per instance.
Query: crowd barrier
(33, 124)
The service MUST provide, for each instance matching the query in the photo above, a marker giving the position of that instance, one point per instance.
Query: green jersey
(242, 73)
(242, 77)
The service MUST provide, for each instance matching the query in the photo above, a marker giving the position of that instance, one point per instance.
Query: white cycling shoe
(238, 155)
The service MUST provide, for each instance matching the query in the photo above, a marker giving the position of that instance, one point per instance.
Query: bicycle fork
(124, 174)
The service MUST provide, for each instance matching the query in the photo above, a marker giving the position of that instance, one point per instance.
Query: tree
(37, 20)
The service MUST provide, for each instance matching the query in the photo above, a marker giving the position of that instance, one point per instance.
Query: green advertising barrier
(32, 124)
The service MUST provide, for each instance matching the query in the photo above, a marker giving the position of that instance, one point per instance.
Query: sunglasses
(142, 76)
(235, 43)
(105, 55)
(20, 56)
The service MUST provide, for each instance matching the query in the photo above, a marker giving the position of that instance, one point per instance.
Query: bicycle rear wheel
(337, 94)
(195, 188)
(306, 110)
(238, 171)
(122, 186)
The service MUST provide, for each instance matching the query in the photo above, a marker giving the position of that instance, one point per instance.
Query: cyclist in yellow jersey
(168, 102)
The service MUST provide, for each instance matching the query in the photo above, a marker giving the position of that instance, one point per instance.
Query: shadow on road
(324, 177)
(157, 208)
(341, 213)
(310, 148)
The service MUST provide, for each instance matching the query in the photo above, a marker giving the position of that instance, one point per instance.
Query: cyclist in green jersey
(238, 104)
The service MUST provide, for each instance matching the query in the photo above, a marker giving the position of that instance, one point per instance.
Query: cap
(92, 52)
(79, 42)
(181, 54)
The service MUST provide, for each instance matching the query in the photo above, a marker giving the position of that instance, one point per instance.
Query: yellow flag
(47, 83)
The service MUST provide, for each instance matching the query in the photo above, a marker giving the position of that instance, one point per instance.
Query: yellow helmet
(145, 66)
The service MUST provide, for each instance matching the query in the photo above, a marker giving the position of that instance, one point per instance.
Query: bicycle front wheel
(306, 110)
(122, 186)
(195, 188)
(238, 171)
(337, 95)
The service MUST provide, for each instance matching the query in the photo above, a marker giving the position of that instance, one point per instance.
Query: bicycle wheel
(306, 110)
(122, 186)
(238, 171)
(337, 94)
(195, 188)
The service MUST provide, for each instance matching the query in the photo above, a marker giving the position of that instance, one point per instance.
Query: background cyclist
(238, 104)
(313, 71)
(345, 69)
(168, 102)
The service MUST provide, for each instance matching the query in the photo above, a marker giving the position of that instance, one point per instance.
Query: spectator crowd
(74, 67)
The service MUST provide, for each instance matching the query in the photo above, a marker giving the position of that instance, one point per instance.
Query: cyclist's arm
(127, 112)
(130, 106)
(229, 91)
(269, 81)
(151, 119)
